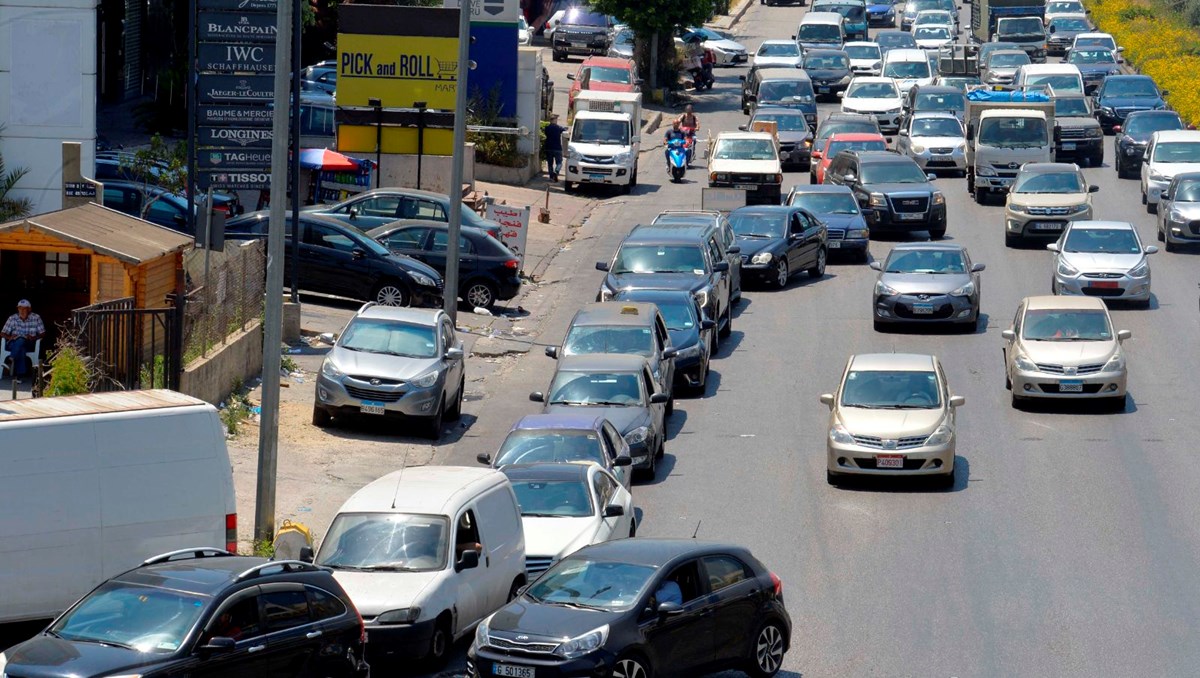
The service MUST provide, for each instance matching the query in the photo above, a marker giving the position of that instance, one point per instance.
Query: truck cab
(1004, 131)
(1027, 31)
(604, 140)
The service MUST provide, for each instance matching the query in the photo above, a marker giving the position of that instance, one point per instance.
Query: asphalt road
(1067, 545)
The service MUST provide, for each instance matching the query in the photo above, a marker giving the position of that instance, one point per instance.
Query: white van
(908, 67)
(1061, 78)
(92, 485)
(821, 30)
(426, 553)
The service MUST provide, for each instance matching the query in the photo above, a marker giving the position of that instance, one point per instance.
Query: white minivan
(426, 553)
(908, 67)
(1060, 78)
(821, 30)
(92, 485)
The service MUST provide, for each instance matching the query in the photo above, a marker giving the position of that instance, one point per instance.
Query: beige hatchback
(893, 414)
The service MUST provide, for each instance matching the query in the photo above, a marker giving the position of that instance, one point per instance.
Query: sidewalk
(727, 21)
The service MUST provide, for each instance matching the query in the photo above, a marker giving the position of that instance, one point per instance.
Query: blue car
(692, 332)
(854, 15)
(881, 15)
(835, 205)
(1120, 95)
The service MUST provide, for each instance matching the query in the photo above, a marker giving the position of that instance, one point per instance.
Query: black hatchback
(202, 612)
(634, 608)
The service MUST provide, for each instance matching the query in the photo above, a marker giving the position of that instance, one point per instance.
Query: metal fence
(223, 301)
(129, 347)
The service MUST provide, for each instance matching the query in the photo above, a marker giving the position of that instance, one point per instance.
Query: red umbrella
(325, 159)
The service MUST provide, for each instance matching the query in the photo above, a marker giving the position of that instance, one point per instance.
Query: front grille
(534, 566)
(1195, 226)
(909, 464)
(836, 233)
(372, 394)
(1104, 276)
(940, 312)
(934, 164)
(1064, 133)
(1003, 169)
(1122, 112)
(597, 159)
(1050, 368)
(382, 381)
(901, 444)
(749, 178)
(1087, 388)
(941, 151)
(787, 148)
(531, 647)
(1049, 211)
(1103, 291)
(603, 171)
(910, 204)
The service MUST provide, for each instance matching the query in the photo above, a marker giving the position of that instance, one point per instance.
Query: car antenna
(399, 477)
(697, 529)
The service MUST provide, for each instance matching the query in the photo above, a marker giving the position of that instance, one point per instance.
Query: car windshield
(893, 173)
(820, 33)
(837, 145)
(891, 390)
(593, 131)
(863, 51)
(936, 127)
(784, 121)
(577, 17)
(375, 335)
(827, 61)
(833, 127)
(939, 102)
(759, 225)
(1071, 106)
(826, 203)
(932, 33)
(779, 49)
(744, 149)
(895, 40)
(659, 259)
(619, 389)
(1177, 151)
(906, 69)
(936, 261)
(583, 582)
(529, 446)
(1102, 241)
(1059, 82)
(872, 90)
(677, 315)
(1107, 43)
(1066, 325)
(1068, 24)
(385, 541)
(143, 618)
(587, 339)
(1021, 26)
(782, 90)
(553, 498)
(1012, 132)
(1149, 124)
(1131, 87)
(1091, 56)
(1187, 191)
(1049, 182)
(609, 74)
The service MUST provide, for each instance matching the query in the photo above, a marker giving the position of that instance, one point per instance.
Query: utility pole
(294, 283)
(450, 294)
(268, 438)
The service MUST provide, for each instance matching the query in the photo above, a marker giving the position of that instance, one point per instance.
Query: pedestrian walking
(553, 147)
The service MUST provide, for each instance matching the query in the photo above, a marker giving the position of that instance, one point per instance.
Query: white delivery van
(604, 140)
(426, 553)
(92, 485)
(1053, 78)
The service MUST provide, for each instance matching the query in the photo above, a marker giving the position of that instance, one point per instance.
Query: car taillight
(495, 234)
(221, 208)
(514, 264)
(231, 532)
(778, 584)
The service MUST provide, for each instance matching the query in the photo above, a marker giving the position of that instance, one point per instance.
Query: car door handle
(313, 634)
(256, 648)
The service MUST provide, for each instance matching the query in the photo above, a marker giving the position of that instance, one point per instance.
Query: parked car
(692, 333)
(1045, 197)
(1168, 153)
(1102, 259)
(487, 270)
(927, 283)
(117, 165)
(792, 131)
(1178, 219)
(1120, 95)
(561, 438)
(321, 76)
(168, 210)
(1065, 347)
(893, 414)
(846, 141)
(202, 611)
(712, 227)
(382, 206)
(893, 191)
(581, 31)
(524, 36)
(778, 54)
(829, 70)
(845, 228)
(650, 607)
(726, 50)
(936, 141)
(1133, 136)
(779, 240)
(622, 44)
(339, 260)
(877, 97)
(426, 553)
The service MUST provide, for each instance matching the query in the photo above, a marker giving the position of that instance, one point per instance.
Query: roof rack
(364, 307)
(689, 212)
(283, 565)
(195, 552)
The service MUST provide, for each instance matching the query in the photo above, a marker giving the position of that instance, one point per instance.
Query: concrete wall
(210, 379)
(529, 98)
(41, 42)
(401, 170)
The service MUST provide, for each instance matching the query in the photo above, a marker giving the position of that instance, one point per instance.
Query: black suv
(893, 191)
(581, 32)
(1134, 135)
(203, 612)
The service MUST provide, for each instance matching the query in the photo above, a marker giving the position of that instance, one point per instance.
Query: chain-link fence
(227, 299)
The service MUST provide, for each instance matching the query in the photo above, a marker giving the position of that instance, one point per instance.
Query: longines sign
(245, 137)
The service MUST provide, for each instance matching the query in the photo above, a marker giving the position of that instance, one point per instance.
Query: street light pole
(378, 106)
(450, 294)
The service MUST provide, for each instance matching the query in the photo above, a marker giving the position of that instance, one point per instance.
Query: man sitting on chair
(21, 332)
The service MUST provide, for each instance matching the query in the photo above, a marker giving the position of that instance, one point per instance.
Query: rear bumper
(886, 219)
(397, 642)
(761, 194)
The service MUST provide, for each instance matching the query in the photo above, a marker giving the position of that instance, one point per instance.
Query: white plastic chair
(35, 357)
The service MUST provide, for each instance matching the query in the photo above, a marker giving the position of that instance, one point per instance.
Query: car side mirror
(670, 353)
(614, 510)
(601, 265)
(327, 338)
(454, 354)
(218, 645)
(707, 324)
(306, 554)
(849, 178)
(742, 78)
(1122, 335)
(931, 176)
(975, 268)
(957, 401)
(552, 352)
(570, 76)
(841, 94)
(659, 399)
(736, 249)
(358, 253)
(1053, 247)
(743, 128)
(875, 266)
(827, 399)
(669, 609)
(1151, 249)
(1165, 93)
(623, 461)
(721, 267)
(1008, 335)
(537, 397)
(902, 132)
(484, 458)
(1053, 28)
(1093, 189)
(469, 560)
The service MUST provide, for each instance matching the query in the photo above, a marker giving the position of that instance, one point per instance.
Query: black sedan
(635, 608)
(1120, 95)
(829, 70)
(777, 241)
(692, 334)
(487, 272)
(1134, 135)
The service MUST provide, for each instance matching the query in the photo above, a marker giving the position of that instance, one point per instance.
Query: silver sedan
(1102, 259)
(926, 282)
(935, 140)
(1179, 211)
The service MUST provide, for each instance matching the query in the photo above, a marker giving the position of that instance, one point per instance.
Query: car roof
(548, 471)
(262, 215)
(782, 73)
(880, 156)
(860, 136)
(904, 362)
(765, 209)
(656, 552)
(423, 489)
(821, 18)
(745, 135)
(776, 110)
(1130, 76)
(1178, 135)
(778, 42)
(630, 313)
(935, 114)
(601, 362)
(415, 316)
(613, 62)
(558, 421)
(392, 190)
(1065, 302)
(1093, 34)
(206, 575)
(1101, 223)
(678, 218)
(861, 43)
(648, 234)
(926, 246)
(824, 52)
(871, 79)
(938, 89)
(906, 54)
(1049, 167)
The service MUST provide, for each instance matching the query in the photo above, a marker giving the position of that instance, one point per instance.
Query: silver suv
(404, 362)
(1045, 198)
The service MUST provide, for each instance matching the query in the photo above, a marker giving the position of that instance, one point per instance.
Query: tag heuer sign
(237, 58)
(241, 26)
(245, 137)
(237, 180)
(233, 158)
(234, 115)
(248, 89)
(238, 5)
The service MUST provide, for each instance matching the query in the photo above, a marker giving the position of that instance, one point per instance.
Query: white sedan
(865, 57)
(566, 506)
(727, 52)
(876, 96)
(778, 54)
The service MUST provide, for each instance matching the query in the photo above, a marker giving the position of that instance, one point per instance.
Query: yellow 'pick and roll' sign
(397, 70)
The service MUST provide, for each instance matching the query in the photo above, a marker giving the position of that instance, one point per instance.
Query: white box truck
(604, 140)
(92, 485)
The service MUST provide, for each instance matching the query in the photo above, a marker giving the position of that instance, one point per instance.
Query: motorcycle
(677, 162)
(690, 143)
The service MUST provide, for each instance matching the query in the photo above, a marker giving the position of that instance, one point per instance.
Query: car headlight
(330, 370)
(918, 149)
(702, 297)
(1141, 270)
(1107, 110)
(422, 279)
(939, 199)
(964, 291)
(845, 80)
(426, 380)
(884, 290)
(482, 638)
(692, 351)
(580, 645)
(761, 258)
(573, 153)
(1093, 133)
(1025, 364)
(622, 158)
(985, 171)
(1076, 209)
(877, 200)
(849, 109)
(1116, 363)
(406, 615)
(1067, 269)
(892, 111)
(1018, 208)
(877, 65)
(858, 233)
(637, 435)
(1156, 176)
(840, 435)
(606, 293)
(1132, 150)
(941, 436)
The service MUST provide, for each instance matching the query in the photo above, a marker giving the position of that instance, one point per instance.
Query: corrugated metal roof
(93, 403)
(106, 231)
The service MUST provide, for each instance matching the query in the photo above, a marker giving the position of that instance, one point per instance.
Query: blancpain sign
(247, 27)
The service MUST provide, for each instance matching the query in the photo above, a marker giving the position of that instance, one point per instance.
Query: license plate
(822, 90)
(1070, 387)
(371, 407)
(1068, 145)
(745, 187)
(834, 244)
(1046, 226)
(1106, 285)
(910, 217)
(512, 671)
(889, 461)
(922, 309)
(596, 177)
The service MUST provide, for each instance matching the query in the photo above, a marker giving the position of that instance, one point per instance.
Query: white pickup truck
(605, 139)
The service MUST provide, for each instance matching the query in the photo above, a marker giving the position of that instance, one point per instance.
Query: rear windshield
(779, 49)
(618, 339)
(1091, 56)
(783, 90)
(827, 61)
(862, 51)
(1067, 24)
(1177, 151)
(785, 122)
(820, 33)
(1061, 82)
(939, 102)
(1148, 124)
(609, 74)
(906, 69)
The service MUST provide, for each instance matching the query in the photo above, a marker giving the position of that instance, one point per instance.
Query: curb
(653, 122)
(734, 17)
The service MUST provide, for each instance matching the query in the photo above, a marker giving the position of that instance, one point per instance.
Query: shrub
(70, 371)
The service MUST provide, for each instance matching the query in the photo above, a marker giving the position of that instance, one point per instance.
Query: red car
(855, 141)
(602, 74)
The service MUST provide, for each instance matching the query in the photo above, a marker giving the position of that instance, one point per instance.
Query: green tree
(653, 20)
(12, 207)
(158, 165)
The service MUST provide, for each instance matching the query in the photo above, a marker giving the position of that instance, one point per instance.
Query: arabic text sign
(514, 226)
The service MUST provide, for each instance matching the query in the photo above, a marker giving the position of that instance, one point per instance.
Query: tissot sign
(232, 179)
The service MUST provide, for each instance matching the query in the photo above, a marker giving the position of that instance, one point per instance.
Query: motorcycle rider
(674, 133)
(690, 124)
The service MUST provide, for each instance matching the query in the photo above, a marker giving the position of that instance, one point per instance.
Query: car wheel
(439, 644)
(567, 187)
(832, 478)
(728, 329)
(434, 430)
(782, 273)
(321, 417)
(651, 471)
(455, 412)
(980, 196)
(480, 294)
(1097, 160)
(937, 233)
(768, 650)
(631, 666)
(818, 269)
(1168, 245)
(1151, 208)
(671, 405)
(390, 293)
(880, 326)
(1144, 202)
(1018, 403)
(516, 586)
